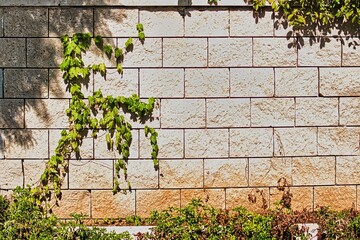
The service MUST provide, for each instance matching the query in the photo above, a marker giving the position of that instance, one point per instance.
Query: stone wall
(241, 104)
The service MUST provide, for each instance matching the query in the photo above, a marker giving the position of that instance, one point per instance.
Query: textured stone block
(314, 55)
(33, 170)
(207, 82)
(104, 204)
(11, 113)
(339, 81)
(302, 197)
(155, 200)
(162, 83)
(141, 174)
(70, 21)
(207, 23)
(274, 52)
(335, 197)
(338, 141)
(228, 112)
(95, 55)
(273, 112)
(239, 197)
(213, 197)
(11, 174)
(251, 142)
(296, 82)
(350, 54)
(244, 22)
(206, 143)
(185, 52)
(12, 52)
(251, 82)
(44, 52)
(186, 173)
(1, 83)
(25, 22)
(317, 111)
(77, 201)
(230, 52)
(348, 170)
(2, 22)
(182, 113)
(349, 111)
(225, 173)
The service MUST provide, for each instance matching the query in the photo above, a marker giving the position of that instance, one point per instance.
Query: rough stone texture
(13, 176)
(213, 197)
(204, 143)
(272, 112)
(302, 197)
(317, 111)
(274, 52)
(348, 170)
(213, 82)
(18, 19)
(104, 204)
(295, 141)
(251, 82)
(251, 142)
(44, 52)
(296, 82)
(236, 197)
(1, 22)
(141, 174)
(186, 173)
(207, 23)
(33, 170)
(12, 52)
(228, 113)
(245, 23)
(1, 83)
(350, 54)
(314, 55)
(182, 113)
(162, 83)
(225, 173)
(350, 111)
(94, 55)
(335, 197)
(339, 81)
(162, 23)
(338, 141)
(70, 21)
(185, 52)
(73, 201)
(230, 52)
(152, 200)
(11, 113)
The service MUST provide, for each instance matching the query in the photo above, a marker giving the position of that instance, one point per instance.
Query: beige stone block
(349, 111)
(317, 111)
(347, 170)
(338, 141)
(206, 143)
(207, 23)
(207, 82)
(230, 52)
(314, 55)
(274, 52)
(187, 173)
(12, 52)
(104, 204)
(73, 201)
(141, 174)
(155, 200)
(239, 197)
(109, 22)
(225, 173)
(302, 197)
(162, 83)
(162, 22)
(170, 142)
(70, 21)
(182, 113)
(212, 197)
(11, 113)
(335, 197)
(91, 174)
(25, 22)
(228, 112)
(340, 81)
(11, 174)
(251, 142)
(296, 82)
(313, 171)
(185, 52)
(273, 112)
(251, 82)
(350, 54)
(96, 55)
(244, 22)
(44, 52)
(2, 22)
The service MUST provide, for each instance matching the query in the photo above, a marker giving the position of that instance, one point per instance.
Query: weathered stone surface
(314, 55)
(162, 83)
(141, 174)
(274, 52)
(33, 170)
(335, 197)
(313, 171)
(228, 112)
(296, 82)
(11, 113)
(245, 23)
(207, 82)
(348, 170)
(182, 113)
(230, 52)
(206, 143)
(302, 197)
(340, 81)
(1, 22)
(187, 173)
(104, 204)
(11, 174)
(350, 54)
(317, 111)
(213, 197)
(73, 201)
(295, 141)
(151, 200)
(236, 197)
(207, 23)
(251, 142)
(25, 22)
(185, 52)
(251, 82)
(95, 55)
(44, 52)
(338, 141)
(272, 112)
(12, 52)
(225, 173)
(349, 111)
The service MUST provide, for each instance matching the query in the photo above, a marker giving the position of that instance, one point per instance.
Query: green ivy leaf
(119, 68)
